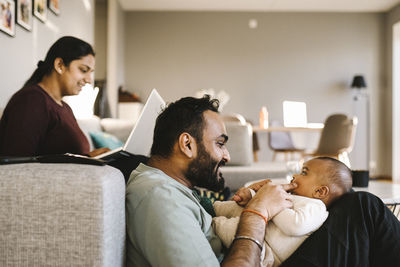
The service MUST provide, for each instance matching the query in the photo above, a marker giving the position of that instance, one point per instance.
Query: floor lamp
(360, 85)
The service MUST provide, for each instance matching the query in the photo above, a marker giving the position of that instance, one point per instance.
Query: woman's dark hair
(184, 115)
(67, 48)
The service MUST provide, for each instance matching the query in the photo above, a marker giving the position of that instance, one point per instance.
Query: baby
(322, 180)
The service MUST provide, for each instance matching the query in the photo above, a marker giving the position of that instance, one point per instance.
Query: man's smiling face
(204, 171)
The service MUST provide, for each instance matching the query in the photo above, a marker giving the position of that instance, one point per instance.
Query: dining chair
(281, 142)
(337, 138)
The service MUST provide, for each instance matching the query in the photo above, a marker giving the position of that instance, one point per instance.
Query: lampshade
(358, 82)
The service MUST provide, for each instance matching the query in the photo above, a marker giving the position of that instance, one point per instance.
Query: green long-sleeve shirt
(166, 225)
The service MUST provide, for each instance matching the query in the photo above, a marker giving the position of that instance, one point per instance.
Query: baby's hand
(242, 196)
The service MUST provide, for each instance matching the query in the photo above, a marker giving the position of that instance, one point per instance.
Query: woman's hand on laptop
(98, 151)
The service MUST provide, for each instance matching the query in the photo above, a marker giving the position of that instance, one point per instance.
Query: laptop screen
(294, 114)
(141, 137)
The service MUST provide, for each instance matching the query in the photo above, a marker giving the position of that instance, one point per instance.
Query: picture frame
(7, 17)
(40, 9)
(24, 14)
(54, 6)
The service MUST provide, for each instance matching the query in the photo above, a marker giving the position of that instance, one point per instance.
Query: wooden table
(387, 191)
(311, 127)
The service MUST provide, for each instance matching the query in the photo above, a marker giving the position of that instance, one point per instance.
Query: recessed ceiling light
(253, 23)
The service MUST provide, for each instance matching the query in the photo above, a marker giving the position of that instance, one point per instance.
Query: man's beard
(203, 171)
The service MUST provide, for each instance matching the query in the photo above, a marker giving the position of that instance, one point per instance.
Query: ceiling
(261, 5)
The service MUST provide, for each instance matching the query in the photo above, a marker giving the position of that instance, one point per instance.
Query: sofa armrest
(61, 215)
(240, 143)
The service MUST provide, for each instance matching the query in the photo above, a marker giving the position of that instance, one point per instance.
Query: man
(167, 226)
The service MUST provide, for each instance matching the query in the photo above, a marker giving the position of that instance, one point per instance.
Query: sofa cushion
(89, 125)
(102, 139)
(119, 128)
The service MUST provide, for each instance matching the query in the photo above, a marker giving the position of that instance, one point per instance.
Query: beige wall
(20, 54)
(391, 18)
(309, 57)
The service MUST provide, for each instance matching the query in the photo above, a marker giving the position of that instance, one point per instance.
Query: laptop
(141, 137)
(294, 114)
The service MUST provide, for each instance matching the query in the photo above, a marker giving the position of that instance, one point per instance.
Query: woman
(36, 121)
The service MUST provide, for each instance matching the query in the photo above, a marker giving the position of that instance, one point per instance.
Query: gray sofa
(61, 215)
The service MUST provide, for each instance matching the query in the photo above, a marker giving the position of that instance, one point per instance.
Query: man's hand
(258, 185)
(271, 199)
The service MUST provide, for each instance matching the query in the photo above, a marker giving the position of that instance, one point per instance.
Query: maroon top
(34, 124)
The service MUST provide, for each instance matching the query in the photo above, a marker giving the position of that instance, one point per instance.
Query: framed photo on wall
(54, 5)
(40, 9)
(24, 14)
(7, 16)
